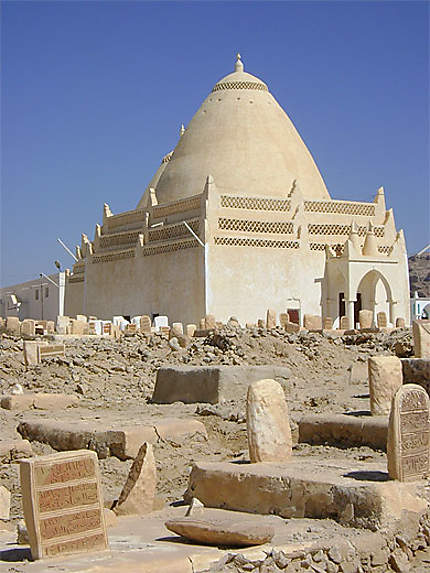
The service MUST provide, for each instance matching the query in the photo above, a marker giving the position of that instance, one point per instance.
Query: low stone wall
(210, 384)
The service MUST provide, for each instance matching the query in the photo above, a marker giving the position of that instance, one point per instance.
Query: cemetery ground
(113, 382)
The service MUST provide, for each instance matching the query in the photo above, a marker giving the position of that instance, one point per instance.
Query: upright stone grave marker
(408, 442)
(365, 318)
(270, 319)
(345, 323)
(400, 322)
(63, 507)
(145, 324)
(268, 422)
(385, 378)
(381, 320)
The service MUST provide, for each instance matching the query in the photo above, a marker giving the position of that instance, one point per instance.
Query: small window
(36, 294)
(46, 292)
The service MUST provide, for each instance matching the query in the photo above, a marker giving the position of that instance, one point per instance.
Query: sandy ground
(115, 380)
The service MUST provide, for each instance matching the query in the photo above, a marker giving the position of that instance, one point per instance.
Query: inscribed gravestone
(62, 502)
(408, 450)
(344, 323)
(328, 323)
(145, 324)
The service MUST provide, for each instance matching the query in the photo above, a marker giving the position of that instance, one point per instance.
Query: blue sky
(94, 93)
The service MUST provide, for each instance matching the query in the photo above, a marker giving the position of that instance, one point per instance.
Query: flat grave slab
(38, 401)
(356, 495)
(119, 438)
(63, 504)
(344, 430)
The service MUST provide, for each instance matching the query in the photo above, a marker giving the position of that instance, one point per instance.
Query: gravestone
(31, 352)
(160, 321)
(81, 317)
(13, 326)
(62, 502)
(385, 378)
(365, 318)
(345, 323)
(107, 328)
(408, 451)
(328, 323)
(177, 329)
(28, 327)
(190, 330)
(62, 324)
(312, 322)
(145, 324)
(381, 320)
(138, 493)
(50, 326)
(78, 327)
(268, 422)
(261, 323)
(202, 324)
(421, 334)
(284, 319)
(400, 322)
(270, 319)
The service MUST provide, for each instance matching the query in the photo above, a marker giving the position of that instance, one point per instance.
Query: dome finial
(239, 64)
(182, 130)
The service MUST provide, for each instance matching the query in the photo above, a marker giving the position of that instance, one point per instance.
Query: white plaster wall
(169, 284)
(245, 281)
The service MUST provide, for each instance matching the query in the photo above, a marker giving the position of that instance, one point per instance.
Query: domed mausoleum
(237, 219)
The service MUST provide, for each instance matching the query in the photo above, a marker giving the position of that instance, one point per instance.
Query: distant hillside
(419, 274)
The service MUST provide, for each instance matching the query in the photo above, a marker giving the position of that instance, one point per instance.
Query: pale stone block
(328, 323)
(190, 330)
(81, 317)
(136, 320)
(78, 327)
(19, 402)
(345, 324)
(220, 527)
(365, 318)
(312, 322)
(31, 352)
(62, 324)
(50, 326)
(165, 331)
(138, 493)
(292, 327)
(268, 422)
(67, 485)
(4, 503)
(400, 322)
(46, 401)
(408, 444)
(13, 326)
(284, 319)
(28, 327)
(421, 334)
(385, 378)
(145, 324)
(270, 319)
(177, 329)
(381, 320)
(210, 322)
(160, 321)
(126, 443)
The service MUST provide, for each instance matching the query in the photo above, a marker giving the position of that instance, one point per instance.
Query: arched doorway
(375, 293)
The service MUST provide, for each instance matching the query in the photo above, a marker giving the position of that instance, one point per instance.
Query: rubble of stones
(133, 361)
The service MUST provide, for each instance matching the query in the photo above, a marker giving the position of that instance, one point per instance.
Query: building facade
(41, 298)
(238, 219)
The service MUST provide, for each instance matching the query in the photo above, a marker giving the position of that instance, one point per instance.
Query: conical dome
(242, 137)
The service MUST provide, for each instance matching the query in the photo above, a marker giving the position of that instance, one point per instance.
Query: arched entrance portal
(375, 293)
